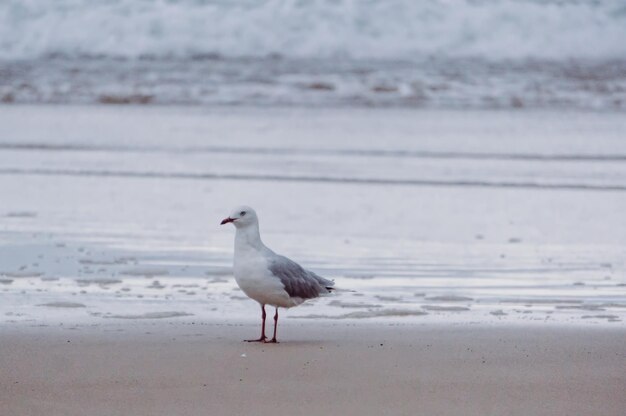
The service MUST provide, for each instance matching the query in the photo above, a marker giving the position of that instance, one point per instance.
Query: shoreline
(118, 297)
(130, 245)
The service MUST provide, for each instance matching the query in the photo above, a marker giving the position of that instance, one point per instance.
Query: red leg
(263, 337)
(275, 326)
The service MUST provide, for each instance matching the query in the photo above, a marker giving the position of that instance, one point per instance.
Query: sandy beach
(479, 259)
(195, 367)
(456, 168)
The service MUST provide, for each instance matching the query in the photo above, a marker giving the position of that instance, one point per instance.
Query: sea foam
(383, 53)
(374, 29)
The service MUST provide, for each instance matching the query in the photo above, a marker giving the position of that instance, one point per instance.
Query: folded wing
(299, 282)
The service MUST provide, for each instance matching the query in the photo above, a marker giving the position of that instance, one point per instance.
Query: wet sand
(481, 255)
(428, 216)
(192, 368)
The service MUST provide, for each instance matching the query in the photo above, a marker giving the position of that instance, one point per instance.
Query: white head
(241, 217)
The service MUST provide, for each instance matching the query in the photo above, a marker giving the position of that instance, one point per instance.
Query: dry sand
(320, 368)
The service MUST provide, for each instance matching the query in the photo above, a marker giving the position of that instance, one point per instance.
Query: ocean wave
(430, 83)
(368, 29)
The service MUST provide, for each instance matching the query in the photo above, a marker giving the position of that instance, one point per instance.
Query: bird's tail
(329, 285)
(339, 289)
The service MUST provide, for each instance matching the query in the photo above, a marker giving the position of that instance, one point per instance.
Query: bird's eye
(242, 213)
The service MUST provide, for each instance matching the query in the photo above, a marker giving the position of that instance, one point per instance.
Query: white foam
(397, 29)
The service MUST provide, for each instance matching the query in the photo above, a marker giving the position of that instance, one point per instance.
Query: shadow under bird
(267, 277)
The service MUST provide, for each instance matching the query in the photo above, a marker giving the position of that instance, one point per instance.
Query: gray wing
(299, 282)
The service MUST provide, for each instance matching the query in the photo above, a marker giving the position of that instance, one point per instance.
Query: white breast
(256, 281)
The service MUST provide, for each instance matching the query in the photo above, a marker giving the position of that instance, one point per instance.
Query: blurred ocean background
(426, 54)
(459, 160)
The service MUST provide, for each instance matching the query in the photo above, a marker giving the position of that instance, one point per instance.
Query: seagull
(267, 277)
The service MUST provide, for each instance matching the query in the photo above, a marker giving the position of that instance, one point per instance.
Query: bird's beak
(227, 220)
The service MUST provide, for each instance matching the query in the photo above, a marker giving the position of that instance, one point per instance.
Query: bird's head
(241, 217)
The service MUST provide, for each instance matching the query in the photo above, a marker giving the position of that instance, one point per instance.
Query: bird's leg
(263, 337)
(275, 326)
